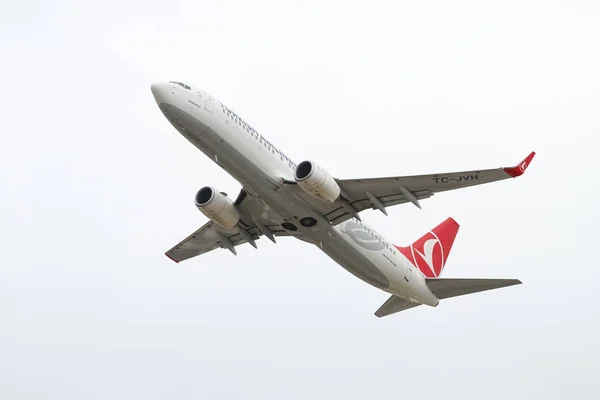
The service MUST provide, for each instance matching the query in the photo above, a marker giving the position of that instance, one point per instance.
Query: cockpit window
(183, 85)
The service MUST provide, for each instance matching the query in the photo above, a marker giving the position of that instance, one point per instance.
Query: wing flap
(362, 203)
(445, 288)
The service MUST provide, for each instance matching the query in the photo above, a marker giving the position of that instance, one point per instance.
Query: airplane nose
(159, 91)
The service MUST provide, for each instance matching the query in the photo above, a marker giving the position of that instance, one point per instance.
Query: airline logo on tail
(431, 251)
(427, 256)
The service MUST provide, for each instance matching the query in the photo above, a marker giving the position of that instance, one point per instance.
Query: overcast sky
(96, 186)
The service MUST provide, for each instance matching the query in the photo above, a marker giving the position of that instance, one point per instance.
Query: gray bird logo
(361, 236)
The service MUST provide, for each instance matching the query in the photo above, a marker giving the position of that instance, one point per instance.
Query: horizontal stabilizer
(444, 288)
(393, 305)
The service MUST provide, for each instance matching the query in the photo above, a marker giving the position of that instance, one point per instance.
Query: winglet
(519, 169)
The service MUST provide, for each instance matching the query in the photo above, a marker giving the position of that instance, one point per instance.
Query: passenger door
(202, 99)
(408, 273)
(210, 103)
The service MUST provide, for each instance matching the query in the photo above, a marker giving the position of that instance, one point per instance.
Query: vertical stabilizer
(431, 251)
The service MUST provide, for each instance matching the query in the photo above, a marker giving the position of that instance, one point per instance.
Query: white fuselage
(262, 169)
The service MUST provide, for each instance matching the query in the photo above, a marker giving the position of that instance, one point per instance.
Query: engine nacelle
(317, 182)
(217, 206)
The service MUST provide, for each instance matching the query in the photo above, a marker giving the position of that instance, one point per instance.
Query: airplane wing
(379, 193)
(212, 236)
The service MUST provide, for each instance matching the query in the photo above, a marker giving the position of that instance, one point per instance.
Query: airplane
(280, 198)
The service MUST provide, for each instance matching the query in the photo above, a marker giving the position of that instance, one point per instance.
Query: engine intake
(217, 206)
(317, 182)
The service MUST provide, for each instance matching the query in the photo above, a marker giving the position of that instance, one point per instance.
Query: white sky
(96, 185)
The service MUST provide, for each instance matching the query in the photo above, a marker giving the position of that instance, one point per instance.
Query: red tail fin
(430, 252)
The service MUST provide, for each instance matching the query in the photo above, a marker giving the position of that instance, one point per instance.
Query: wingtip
(520, 168)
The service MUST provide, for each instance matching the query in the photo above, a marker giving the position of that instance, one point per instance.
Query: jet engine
(317, 182)
(217, 206)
